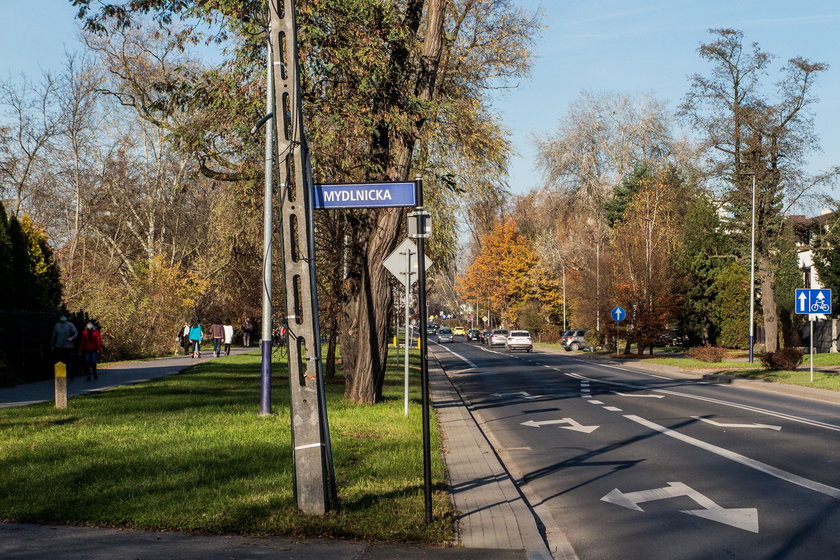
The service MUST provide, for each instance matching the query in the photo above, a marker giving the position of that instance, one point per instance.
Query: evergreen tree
(825, 246)
(733, 306)
(6, 273)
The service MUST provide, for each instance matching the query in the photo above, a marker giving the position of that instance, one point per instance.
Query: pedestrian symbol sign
(618, 314)
(812, 301)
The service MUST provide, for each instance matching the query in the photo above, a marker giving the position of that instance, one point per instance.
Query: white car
(519, 340)
(444, 334)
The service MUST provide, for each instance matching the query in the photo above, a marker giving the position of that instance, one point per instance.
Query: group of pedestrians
(66, 345)
(191, 335)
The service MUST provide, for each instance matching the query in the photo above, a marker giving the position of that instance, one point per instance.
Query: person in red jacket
(89, 348)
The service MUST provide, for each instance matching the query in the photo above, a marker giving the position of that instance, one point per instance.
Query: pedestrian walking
(63, 337)
(89, 349)
(217, 333)
(228, 328)
(247, 331)
(196, 335)
(184, 338)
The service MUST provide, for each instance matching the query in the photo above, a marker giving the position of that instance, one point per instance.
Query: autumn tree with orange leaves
(505, 276)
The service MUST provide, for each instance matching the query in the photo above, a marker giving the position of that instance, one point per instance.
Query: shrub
(593, 339)
(707, 353)
(787, 358)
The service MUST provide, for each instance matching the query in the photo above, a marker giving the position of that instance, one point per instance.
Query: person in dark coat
(63, 343)
(184, 338)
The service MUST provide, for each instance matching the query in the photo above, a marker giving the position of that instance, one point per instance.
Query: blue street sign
(812, 301)
(618, 314)
(365, 195)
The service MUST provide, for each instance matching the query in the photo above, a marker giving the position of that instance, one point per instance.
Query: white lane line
(594, 402)
(738, 458)
(637, 395)
(612, 408)
(457, 355)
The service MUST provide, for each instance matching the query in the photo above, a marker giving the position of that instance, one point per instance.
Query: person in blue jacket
(195, 338)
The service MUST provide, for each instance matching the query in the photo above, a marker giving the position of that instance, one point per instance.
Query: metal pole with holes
(314, 478)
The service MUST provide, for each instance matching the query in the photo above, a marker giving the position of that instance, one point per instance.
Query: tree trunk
(766, 277)
(364, 336)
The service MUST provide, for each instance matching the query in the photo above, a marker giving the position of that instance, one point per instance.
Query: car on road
(519, 340)
(473, 334)
(459, 331)
(574, 339)
(444, 334)
(483, 336)
(498, 337)
(432, 328)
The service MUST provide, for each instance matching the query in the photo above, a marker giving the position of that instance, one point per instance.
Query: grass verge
(191, 453)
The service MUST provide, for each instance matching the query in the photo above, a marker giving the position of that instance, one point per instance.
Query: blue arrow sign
(365, 195)
(618, 314)
(812, 301)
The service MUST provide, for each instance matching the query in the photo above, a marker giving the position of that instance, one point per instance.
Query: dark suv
(574, 340)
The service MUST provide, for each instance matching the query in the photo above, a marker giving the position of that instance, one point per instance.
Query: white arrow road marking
(635, 395)
(721, 425)
(574, 425)
(522, 394)
(740, 518)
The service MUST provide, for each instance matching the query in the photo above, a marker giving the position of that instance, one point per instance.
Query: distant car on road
(444, 334)
(473, 334)
(432, 328)
(483, 337)
(459, 331)
(498, 337)
(574, 340)
(519, 340)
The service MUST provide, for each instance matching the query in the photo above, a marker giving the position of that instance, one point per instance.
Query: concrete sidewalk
(490, 510)
(114, 375)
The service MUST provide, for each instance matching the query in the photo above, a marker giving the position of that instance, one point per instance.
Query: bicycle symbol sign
(812, 301)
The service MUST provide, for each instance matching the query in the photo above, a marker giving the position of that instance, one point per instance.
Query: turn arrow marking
(721, 425)
(740, 518)
(522, 394)
(634, 395)
(574, 425)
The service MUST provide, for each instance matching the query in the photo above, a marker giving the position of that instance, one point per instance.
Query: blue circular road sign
(618, 314)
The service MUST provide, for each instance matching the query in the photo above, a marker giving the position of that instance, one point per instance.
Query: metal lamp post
(752, 267)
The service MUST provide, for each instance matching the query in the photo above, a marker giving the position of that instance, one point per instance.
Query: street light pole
(752, 270)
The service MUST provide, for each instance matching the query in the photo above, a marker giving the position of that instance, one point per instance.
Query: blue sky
(640, 46)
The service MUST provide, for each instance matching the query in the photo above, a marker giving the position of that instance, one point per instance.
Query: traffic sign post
(812, 302)
(618, 314)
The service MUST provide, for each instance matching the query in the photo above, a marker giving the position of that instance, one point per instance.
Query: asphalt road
(632, 465)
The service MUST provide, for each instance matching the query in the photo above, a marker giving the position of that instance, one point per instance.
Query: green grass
(822, 380)
(191, 453)
(692, 363)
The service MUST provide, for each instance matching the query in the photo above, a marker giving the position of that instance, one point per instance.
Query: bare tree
(32, 118)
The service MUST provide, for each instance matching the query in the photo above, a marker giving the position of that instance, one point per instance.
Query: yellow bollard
(60, 385)
(418, 343)
(395, 342)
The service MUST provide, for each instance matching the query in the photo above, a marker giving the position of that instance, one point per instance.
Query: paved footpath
(112, 375)
(494, 521)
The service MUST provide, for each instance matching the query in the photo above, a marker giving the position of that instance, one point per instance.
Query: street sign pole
(407, 336)
(812, 302)
(421, 234)
(811, 321)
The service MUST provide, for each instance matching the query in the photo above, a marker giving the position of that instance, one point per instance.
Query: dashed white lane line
(612, 408)
(594, 402)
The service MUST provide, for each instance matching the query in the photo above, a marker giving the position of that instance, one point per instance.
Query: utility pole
(268, 248)
(314, 477)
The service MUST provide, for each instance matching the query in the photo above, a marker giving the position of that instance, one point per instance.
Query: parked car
(519, 340)
(498, 337)
(473, 334)
(483, 337)
(444, 334)
(574, 340)
(459, 331)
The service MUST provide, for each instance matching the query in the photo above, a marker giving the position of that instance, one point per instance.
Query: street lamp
(752, 266)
